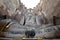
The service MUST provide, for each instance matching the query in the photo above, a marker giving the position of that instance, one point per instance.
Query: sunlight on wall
(30, 3)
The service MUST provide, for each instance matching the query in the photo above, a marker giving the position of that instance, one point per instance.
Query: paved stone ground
(26, 39)
(16, 30)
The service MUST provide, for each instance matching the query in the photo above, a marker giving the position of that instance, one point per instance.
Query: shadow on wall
(3, 13)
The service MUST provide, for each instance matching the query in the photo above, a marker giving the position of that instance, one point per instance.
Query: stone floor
(16, 30)
(26, 39)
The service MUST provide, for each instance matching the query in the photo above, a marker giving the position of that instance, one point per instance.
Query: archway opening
(30, 3)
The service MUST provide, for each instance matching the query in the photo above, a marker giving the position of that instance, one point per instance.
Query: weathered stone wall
(11, 5)
(51, 8)
(12, 8)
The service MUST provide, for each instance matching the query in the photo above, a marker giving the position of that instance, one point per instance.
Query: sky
(30, 3)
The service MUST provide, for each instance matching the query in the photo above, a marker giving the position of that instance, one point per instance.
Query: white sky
(30, 3)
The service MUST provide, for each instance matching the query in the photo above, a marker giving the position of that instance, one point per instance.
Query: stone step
(5, 38)
(17, 26)
(16, 30)
(10, 35)
(27, 39)
(38, 39)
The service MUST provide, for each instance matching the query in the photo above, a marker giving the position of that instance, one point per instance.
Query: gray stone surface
(38, 20)
(22, 20)
(48, 32)
(44, 31)
(30, 20)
